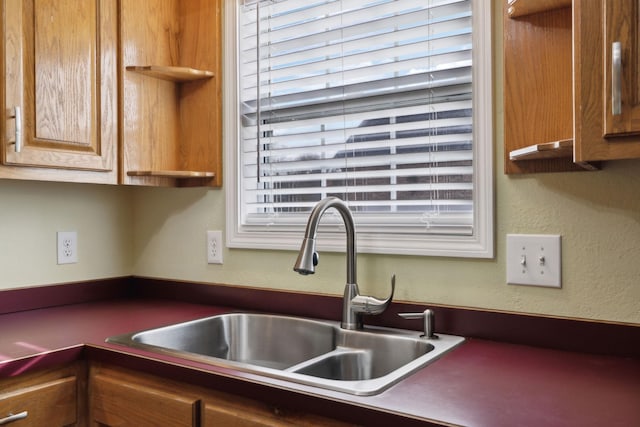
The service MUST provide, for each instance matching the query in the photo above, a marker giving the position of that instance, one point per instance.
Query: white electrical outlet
(214, 247)
(67, 247)
(534, 259)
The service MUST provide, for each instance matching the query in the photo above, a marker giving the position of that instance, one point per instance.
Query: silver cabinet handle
(11, 417)
(616, 78)
(17, 115)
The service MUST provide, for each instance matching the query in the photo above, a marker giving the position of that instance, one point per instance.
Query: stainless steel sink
(312, 352)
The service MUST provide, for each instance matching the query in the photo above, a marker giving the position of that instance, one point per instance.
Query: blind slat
(422, 84)
(282, 168)
(250, 181)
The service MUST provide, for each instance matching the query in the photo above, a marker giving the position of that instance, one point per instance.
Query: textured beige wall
(597, 214)
(32, 212)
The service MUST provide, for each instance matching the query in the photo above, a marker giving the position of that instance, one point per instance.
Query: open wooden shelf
(174, 74)
(173, 174)
(547, 150)
(518, 8)
(171, 85)
(556, 150)
(538, 91)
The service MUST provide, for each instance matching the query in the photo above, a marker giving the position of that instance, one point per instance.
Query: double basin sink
(311, 352)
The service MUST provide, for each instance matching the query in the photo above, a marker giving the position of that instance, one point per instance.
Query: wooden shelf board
(548, 150)
(518, 8)
(174, 74)
(173, 174)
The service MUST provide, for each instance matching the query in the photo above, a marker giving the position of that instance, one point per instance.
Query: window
(385, 104)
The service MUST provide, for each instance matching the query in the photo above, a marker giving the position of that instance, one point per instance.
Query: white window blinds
(385, 104)
(370, 101)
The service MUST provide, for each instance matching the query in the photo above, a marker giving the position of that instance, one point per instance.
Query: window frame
(480, 244)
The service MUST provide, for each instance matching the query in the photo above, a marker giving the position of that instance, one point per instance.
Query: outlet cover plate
(214, 247)
(67, 244)
(534, 259)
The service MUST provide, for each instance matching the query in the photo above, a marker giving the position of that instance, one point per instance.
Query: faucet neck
(347, 218)
(352, 270)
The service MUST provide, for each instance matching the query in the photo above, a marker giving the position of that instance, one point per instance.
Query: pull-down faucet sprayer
(354, 304)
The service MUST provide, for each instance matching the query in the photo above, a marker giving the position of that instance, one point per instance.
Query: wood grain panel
(52, 403)
(238, 412)
(129, 401)
(50, 397)
(65, 65)
(148, 32)
(201, 108)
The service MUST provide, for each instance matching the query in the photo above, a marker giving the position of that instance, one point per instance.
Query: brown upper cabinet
(571, 83)
(111, 91)
(60, 90)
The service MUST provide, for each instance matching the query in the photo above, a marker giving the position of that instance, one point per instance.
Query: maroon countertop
(481, 383)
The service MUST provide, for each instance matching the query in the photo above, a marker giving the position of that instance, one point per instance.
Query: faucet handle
(370, 305)
(429, 325)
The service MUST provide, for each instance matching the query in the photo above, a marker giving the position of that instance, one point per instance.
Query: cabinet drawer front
(52, 403)
(115, 402)
(218, 415)
(239, 412)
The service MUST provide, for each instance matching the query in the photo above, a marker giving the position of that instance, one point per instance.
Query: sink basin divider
(338, 351)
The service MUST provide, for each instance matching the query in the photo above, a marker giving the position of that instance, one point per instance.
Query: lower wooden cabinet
(120, 397)
(108, 396)
(51, 398)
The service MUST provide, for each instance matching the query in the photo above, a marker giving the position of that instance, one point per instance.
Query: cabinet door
(599, 135)
(622, 61)
(61, 74)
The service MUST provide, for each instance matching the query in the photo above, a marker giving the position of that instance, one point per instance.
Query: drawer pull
(616, 78)
(11, 417)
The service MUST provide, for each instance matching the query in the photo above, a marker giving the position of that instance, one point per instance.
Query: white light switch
(534, 259)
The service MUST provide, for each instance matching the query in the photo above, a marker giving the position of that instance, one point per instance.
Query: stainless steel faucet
(354, 305)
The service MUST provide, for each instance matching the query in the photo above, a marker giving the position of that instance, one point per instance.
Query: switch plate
(214, 247)
(67, 244)
(534, 259)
